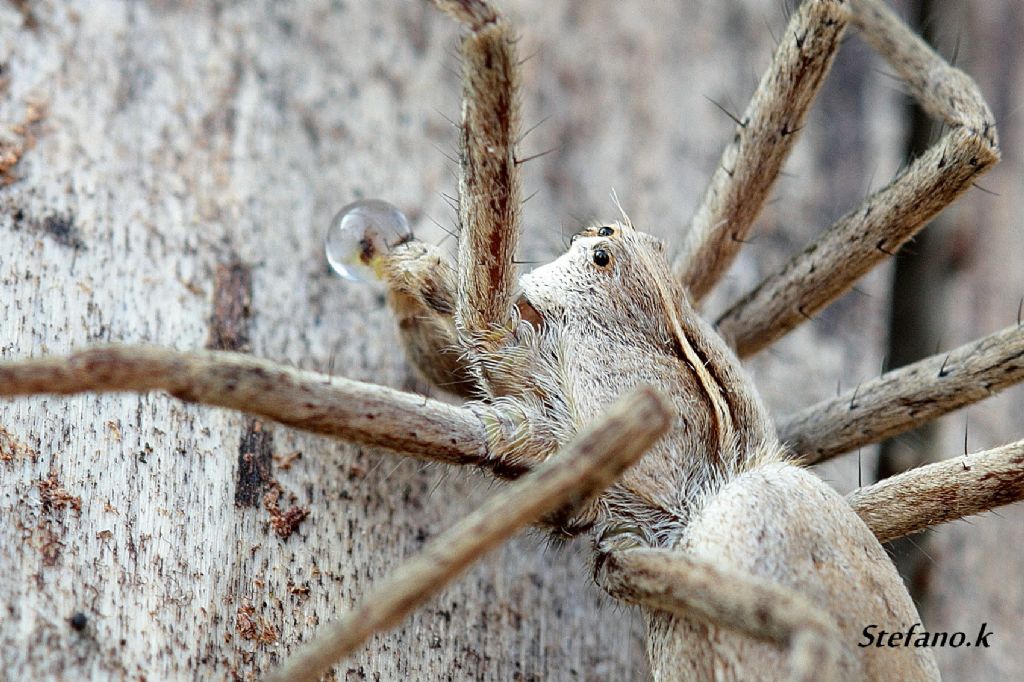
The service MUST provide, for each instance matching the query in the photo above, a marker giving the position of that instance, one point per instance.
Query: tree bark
(171, 171)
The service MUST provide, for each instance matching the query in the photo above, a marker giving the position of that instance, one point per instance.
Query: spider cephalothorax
(604, 319)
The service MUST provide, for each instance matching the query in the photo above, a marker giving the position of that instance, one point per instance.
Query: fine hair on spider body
(615, 411)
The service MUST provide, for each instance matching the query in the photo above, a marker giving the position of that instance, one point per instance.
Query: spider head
(612, 277)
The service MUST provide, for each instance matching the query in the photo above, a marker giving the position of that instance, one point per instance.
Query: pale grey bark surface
(172, 140)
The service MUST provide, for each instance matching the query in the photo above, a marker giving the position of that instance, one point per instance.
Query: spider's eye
(605, 232)
(602, 258)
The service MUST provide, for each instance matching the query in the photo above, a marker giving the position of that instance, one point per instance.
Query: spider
(490, 322)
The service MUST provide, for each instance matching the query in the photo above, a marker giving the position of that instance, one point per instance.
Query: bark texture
(170, 170)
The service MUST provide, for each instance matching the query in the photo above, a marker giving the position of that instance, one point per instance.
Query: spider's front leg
(442, 313)
(489, 176)
(503, 439)
(372, 239)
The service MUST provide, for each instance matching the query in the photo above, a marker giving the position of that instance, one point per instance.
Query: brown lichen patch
(115, 429)
(255, 457)
(18, 138)
(55, 497)
(28, 17)
(42, 538)
(46, 542)
(253, 627)
(13, 449)
(232, 308)
(283, 522)
(300, 591)
(255, 480)
(356, 471)
(284, 462)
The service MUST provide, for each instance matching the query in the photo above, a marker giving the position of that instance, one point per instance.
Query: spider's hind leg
(687, 587)
(861, 239)
(904, 398)
(775, 555)
(944, 491)
(763, 139)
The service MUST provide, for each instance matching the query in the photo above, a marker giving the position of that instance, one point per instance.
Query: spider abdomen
(785, 525)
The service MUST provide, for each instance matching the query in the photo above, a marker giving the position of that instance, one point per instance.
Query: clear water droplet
(359, 233)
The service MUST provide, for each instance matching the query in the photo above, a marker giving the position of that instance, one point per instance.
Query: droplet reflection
(361, 231)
